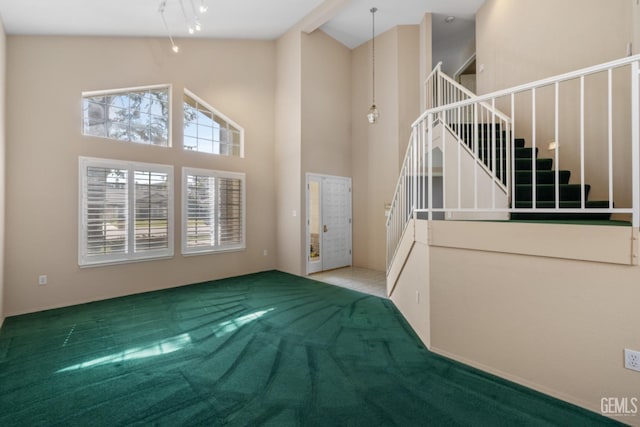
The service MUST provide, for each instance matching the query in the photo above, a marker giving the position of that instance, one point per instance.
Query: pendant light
(373, 113)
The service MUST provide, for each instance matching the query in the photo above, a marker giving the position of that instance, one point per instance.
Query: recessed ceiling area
(225, 19)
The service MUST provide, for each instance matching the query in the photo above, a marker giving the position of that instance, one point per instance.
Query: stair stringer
(488, 186)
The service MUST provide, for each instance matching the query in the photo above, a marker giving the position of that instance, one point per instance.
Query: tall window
(213, 217)
(209, 131)
(126, 211)
(139, 115)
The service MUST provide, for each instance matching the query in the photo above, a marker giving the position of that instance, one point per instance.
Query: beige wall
(326, 105)
(326, 113)
(410, 290)
(636, 26)
(524, 41)
(557, 325)
(288, 152)
(3, 56)
(408, 85)
(313, 124)
(45, 78)
(378, 150)
(426, 54)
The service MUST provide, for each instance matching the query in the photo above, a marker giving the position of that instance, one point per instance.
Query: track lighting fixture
(161, 8)
(192, 20)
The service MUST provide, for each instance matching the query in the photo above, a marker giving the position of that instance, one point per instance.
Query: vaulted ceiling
(348, 21)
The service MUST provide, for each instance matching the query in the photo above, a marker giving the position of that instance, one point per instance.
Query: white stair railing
(415, 182)
(598, 106)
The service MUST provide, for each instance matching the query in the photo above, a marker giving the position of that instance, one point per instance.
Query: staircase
(569, 196)
(483, 172)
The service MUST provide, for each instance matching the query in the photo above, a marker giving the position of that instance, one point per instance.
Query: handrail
(477, 144)
(433, 72)
(406, 156)
(538, 83)
(473, 95)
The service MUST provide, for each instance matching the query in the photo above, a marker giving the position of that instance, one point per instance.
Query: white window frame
(218, 114)
(185, 219)
(108, 92)
(87, 260)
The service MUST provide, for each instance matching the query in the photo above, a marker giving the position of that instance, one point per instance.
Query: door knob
(325, 229)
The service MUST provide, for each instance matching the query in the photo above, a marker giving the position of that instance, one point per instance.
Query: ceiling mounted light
(195, 16)
(373, 113)
(449, 19)
(161, 8)
(191, 19)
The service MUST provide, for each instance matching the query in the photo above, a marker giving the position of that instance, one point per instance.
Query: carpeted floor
(267, 349)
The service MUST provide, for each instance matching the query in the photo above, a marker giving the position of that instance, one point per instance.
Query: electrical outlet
(632, 359)
(42, 280)
(265, 252)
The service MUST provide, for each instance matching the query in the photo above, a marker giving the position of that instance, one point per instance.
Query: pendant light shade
(373, 114)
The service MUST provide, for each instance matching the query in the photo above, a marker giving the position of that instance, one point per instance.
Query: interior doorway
(466, 75)
(329, 223)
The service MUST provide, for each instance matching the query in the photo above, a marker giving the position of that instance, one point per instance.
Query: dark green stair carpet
(267, 349)
(569, 195)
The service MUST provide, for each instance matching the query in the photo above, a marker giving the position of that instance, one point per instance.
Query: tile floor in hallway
(356, 278)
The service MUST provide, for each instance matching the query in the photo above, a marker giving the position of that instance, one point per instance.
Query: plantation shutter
(126, 211)
(151, 211)
(106, 211)
(229, 211)
(200, 208)
(214, 211)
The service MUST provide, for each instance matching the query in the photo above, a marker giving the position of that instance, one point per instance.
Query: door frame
(317, 176)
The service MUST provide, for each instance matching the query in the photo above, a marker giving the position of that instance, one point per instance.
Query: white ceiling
(231, 19)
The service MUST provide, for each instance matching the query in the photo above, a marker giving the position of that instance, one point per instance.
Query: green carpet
(267, 349)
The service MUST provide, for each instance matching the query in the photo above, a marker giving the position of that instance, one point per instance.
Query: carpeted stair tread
(543, 177)
(491, 148)
(525, 152)
(564, 204)
(501, 153)
(545, 192)
(602, 222)
(583, 216)
(550, 217)
(541, 164)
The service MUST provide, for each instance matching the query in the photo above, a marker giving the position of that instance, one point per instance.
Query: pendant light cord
(373, 51)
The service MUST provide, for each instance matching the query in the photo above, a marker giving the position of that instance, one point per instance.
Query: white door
(328, 222)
